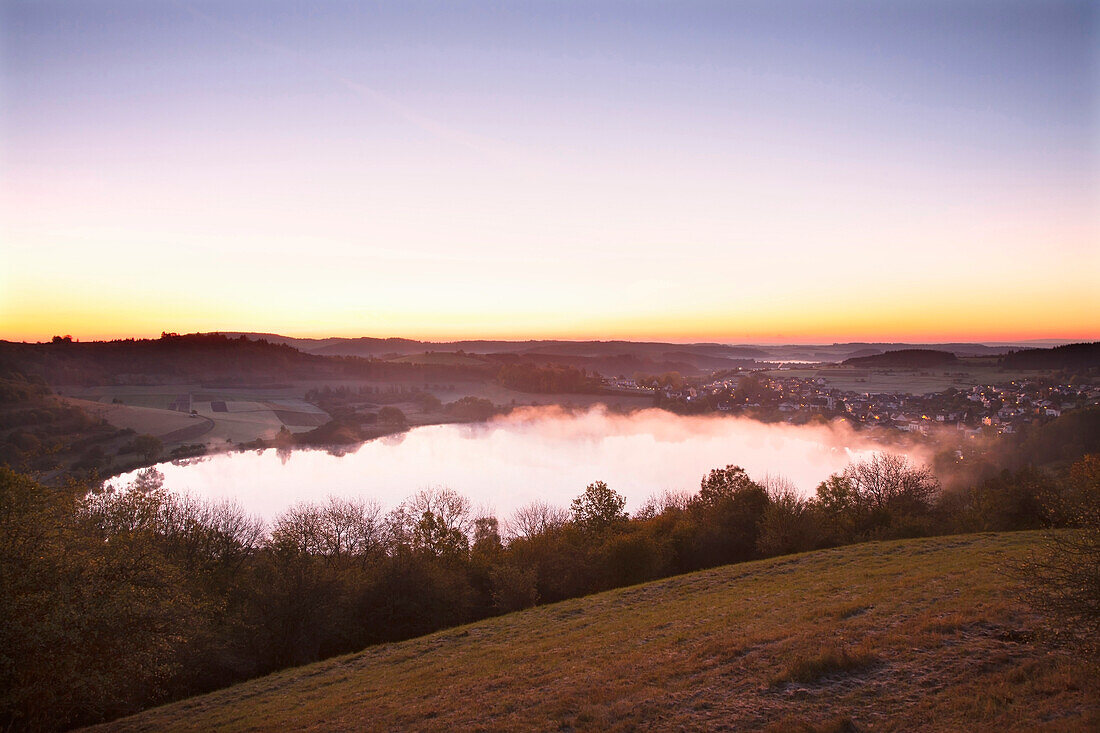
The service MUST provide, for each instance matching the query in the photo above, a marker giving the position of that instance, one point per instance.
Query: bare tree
(350, 528)
(536, 518)
(338, 530)
(450, 507)
(665, 501)
(779, 486)
(298, 530)
(887, 480)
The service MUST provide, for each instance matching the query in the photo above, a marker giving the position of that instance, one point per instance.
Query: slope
(915, 634)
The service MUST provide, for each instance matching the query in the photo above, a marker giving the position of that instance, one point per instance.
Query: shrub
(513, 588)
(1065, 577)
(391, 415)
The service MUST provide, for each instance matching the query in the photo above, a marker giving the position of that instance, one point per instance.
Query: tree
(841, 508)
(598, 508)
(890, 481)
(1011, 501)
(432, 536)
(94, 614)
(487, 540)
(885, 493)
(724, 484)
(672, 380)
(728, 510)
(148, 446)
(340, 531)
(789, 523)
(438, 522)
(535, 519)
(676, 501)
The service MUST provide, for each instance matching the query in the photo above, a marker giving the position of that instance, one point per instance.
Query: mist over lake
(534, 453)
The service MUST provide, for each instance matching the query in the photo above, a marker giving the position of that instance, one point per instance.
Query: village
(972, 410)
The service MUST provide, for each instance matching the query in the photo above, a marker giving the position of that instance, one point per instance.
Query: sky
(802, 171)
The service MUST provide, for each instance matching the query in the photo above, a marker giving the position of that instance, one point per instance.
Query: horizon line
(684, 340)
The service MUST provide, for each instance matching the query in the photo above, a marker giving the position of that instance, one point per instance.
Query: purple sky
(511, 168)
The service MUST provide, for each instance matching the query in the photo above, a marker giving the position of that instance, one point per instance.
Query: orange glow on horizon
(840, 324)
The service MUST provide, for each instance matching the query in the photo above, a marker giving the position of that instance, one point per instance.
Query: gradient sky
(734, 171)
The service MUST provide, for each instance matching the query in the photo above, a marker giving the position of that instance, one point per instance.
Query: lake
(533, 453)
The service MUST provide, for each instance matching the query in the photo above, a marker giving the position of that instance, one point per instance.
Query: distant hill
(1069, 356)
(208, 358)
(172, 357)
(259, 357)
(959, 349)
(905, 358)
(369, 347)
(617, 356)
(878, 636)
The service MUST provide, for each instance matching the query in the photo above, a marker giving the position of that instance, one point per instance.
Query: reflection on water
(537, 453)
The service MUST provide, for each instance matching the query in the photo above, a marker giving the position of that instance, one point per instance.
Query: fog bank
(541, 453)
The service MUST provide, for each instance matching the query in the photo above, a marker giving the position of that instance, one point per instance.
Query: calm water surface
(540, 453)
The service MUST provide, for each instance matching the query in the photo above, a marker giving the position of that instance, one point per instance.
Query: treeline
(193, 357)
(1073, 357)
(206, 358)
(905, 358)
(114, 601)
(547, 379)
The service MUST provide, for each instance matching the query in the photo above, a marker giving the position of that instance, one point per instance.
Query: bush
(147, 446)
(513, 588)
(471, 408)
(1065, 577)
(390, 415)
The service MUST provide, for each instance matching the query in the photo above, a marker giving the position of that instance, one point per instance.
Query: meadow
(927, 634)
(221, 416)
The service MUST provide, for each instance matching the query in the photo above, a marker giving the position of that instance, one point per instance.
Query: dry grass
(832, 660)
(140, 419)
(922, 634)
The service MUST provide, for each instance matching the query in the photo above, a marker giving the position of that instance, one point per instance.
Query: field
(908, 381)
(151, 420)
(913, 635)
(440, 358)
(235, 415)
(242, 415)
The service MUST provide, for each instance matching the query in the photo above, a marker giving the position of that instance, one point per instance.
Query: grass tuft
(829, 661)
(836, 724)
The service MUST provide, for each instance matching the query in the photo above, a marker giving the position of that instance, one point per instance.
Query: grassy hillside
(916, 634)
